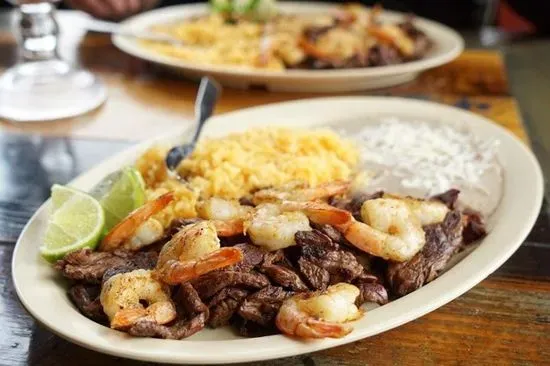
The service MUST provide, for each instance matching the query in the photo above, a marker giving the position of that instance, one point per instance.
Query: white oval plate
(43, 292)
(448, 44)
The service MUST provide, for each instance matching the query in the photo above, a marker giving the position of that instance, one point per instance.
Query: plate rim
(128, 46)
(427, 306)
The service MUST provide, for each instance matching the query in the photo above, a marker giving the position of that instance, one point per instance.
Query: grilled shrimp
(318, 212)
(227, 216)
(138, 229)
(268, 224)
(192, 252)
(390, 230)
(273, 226)
(301, 194)
(221, 209)
(122, 296)
(391, 33)
(427, 211)
(272, 229)
(320, 314)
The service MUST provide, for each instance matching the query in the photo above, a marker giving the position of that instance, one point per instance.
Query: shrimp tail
(128, 226)
(320, 329)
(319, 212)
(393, 35)
(176, 272)
(311, 49)
(312, 328)
(127, 317)
(364, 237)
(334, 188)
(229, 228)
(160, 313)
(302, 194)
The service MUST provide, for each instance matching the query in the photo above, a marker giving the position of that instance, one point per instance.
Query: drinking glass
(41, 86)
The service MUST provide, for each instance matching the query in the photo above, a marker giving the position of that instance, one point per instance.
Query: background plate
(448, 44)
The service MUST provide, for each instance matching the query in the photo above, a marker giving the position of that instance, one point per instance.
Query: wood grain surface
(505, 320)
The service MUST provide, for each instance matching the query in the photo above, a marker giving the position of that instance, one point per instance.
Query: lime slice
(119, 194)
(76, 222)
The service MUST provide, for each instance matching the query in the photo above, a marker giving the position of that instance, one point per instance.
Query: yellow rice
(232, 166)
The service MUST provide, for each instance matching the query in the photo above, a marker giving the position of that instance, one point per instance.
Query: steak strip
(371, 292)
(449, 198)
(262, 306)
(224, 305)
(89, 267)
(190, 300)
(252, 256)
(86, 299)
(474, 228)
(319, 250)
(442, 241)
(284, 277)
(181, 329)
(318, 278)
(355, 203)
(191, 308)
(211, 283)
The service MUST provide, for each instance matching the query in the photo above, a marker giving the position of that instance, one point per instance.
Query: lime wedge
(76, 222)
(119, 194)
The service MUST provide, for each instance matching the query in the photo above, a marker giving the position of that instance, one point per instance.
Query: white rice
(426, 157)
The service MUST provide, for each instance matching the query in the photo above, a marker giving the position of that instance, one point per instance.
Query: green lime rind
(119, 194)
(140, 197)
(76, 222)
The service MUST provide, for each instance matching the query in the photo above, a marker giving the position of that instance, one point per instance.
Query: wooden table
(503, 320)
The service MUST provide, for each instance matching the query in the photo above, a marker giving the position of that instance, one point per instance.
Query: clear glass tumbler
(41, 86)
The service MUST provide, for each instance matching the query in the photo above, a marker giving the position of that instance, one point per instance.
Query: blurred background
(517, 16)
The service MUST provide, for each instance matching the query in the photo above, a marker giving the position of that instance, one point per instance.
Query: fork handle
(207, 97)
(103, 26)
